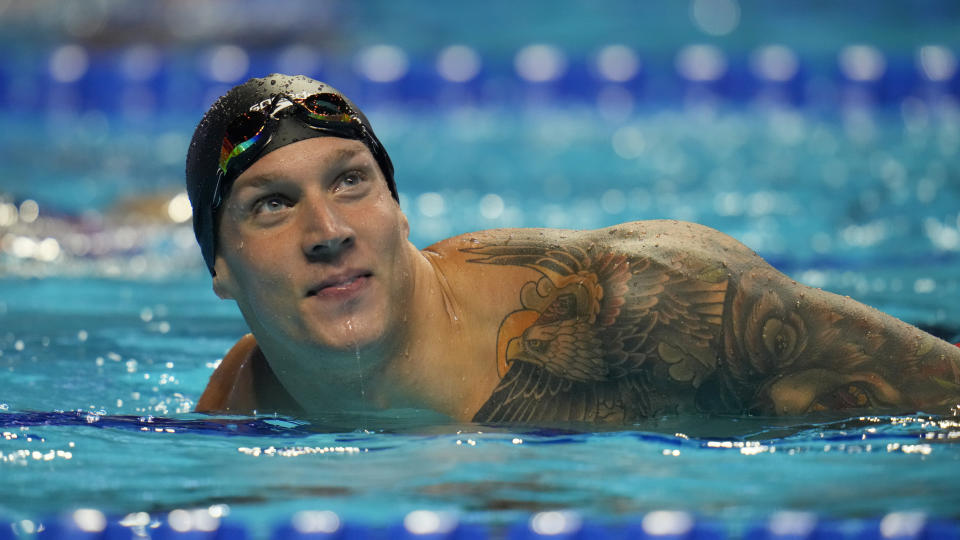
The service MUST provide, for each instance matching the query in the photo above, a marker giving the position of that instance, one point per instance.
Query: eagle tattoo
(602, 337)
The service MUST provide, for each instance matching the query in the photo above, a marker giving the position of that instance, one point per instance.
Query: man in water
(297, 215)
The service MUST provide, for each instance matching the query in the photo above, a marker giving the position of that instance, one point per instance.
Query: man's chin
(352, 335)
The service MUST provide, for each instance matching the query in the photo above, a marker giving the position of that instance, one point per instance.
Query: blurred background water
(824, 135)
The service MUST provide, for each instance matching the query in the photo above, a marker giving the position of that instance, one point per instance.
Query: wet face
(314, 249)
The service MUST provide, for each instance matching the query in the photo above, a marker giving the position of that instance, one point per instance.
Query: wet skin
(532, 325)
(314, 250)
(312, 247)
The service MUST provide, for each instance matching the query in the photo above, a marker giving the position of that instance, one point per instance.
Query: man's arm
(662, 317)
(790, 349)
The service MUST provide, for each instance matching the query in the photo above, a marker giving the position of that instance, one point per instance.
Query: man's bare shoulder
(655, 239)
(243, 383)
(673, 238)
(657, 317)
(464, 242)
(231, 386)
(628, 231)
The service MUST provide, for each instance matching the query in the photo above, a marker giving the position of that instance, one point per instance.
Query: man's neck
(435, 345)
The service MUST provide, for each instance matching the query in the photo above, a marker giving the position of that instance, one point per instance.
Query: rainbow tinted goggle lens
(248, 134)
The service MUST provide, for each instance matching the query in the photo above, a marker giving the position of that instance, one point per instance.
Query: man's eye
(351, 179)
(270, 204)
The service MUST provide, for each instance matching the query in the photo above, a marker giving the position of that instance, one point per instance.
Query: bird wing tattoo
(599, 332)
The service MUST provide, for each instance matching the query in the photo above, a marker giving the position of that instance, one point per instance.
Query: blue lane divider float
(89, 524)
(165, 80)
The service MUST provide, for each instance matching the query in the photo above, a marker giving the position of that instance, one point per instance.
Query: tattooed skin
(606, 336)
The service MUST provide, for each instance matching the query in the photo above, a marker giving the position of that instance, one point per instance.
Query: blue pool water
(843, 175)
(104, 352)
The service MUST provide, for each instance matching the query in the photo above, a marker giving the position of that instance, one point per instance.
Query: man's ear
(222, 280)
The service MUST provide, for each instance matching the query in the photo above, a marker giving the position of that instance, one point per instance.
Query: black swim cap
(203, 156)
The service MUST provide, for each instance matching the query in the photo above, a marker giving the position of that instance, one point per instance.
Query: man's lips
(341, 284)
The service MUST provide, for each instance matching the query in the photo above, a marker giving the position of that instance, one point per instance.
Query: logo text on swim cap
(287, 98)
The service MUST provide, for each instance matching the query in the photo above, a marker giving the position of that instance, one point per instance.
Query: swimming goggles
(246, 137)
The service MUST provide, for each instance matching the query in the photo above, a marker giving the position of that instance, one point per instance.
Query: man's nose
(326, 235)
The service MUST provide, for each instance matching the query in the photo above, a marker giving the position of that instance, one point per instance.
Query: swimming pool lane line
(206, 524)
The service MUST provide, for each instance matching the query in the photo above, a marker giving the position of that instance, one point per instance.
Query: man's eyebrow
(343, 154)
(340, 155)
(255, 182)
